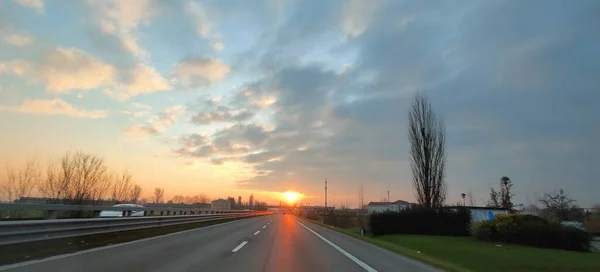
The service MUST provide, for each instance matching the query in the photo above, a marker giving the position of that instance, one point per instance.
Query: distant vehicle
(574, 224)
(120, 213)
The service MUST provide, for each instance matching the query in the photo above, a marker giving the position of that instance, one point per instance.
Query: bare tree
(560, 205)
(121, 187)
(159, 194)
(203, 199)
(136, 193)
(427, 138)
(77, 178)
(22, 181)
(178, 199)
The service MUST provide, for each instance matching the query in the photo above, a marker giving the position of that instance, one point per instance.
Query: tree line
(74, 178)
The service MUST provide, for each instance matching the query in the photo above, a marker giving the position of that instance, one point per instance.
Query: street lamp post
(504, 181)
(464, 201)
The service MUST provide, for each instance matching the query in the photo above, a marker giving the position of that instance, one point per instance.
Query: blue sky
(232, 97)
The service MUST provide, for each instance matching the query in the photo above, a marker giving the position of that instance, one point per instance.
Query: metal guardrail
(12, 232)
(52, 210)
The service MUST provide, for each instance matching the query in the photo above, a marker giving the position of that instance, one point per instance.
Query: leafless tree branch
(22, 181)
(427, 138)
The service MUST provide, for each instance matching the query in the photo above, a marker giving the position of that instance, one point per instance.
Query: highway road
(277, 243)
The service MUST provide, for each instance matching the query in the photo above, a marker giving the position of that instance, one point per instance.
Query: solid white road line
(11, 266)
(239, 246)
(257, 232)
(365, 266)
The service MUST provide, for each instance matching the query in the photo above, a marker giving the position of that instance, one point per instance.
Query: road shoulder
(380, 256)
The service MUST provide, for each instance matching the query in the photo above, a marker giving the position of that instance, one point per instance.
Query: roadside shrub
(417, 220)
(532, 231)
(312, 216)
(485, 231)
(339, 221)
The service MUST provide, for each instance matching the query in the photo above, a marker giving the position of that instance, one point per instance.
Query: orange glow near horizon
(291, 196)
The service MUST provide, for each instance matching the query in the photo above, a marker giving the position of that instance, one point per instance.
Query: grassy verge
(468, 254)
(431, 260)
(36, 250)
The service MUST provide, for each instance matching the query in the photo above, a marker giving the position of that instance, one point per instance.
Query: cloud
(142, 130)
(356, 15)
(136, 114)
(221, 115)
(122, 18)
(212, 111)
(141, 79)
(55, 107)
(231, 143)
(18, 68)
(170, 115)
(63, 70)
(198, 14)
(516, 100)
(37, 5)
(157, 123)
(16, 38)
(198, 71)
(141, 106)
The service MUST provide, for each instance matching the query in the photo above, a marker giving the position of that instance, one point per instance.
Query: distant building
(220, 204)
(377, 207)
(479, 214)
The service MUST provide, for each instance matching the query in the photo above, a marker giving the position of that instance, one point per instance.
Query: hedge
(417, 220)
(532, 231)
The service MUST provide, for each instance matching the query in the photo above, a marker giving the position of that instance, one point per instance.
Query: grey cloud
(221, 114)
(226, 144)
(515, 84)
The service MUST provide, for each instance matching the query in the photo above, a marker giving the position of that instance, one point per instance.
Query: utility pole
(325, 194)
(388, 196)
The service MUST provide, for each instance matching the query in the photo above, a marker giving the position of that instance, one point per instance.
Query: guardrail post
(51, 214)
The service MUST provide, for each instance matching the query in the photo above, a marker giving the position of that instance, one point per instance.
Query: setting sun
(291, 196)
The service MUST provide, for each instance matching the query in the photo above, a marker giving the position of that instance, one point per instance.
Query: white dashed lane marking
(239, 246)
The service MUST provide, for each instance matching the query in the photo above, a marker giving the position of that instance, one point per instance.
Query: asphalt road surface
(277, 243)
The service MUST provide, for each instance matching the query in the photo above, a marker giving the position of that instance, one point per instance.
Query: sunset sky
(229, 98)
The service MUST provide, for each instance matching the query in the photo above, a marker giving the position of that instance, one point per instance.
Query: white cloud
(141, 106)
(142, 79)
(37, 5)
(55, 107)
(16, 67)
(218, 46)
(136, 114)
(198, 14)
(66, 69)
(16, 39)
(157, 123)
(200, 71)
(142, 130)
(63, 70)
(107, 27)
(356, 15)
(169, 115)
(122, 18)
